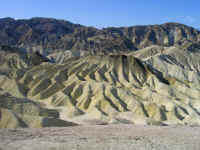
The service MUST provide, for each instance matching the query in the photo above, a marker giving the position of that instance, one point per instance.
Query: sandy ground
(109, 137)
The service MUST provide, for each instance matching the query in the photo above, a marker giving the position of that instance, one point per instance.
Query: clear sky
(104, 13)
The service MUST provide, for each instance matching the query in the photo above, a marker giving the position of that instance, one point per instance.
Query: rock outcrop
(51, 35)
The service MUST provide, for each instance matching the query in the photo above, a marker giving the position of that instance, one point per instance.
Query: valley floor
(102, 137)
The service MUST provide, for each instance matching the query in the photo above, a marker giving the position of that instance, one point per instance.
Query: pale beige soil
(109, 137)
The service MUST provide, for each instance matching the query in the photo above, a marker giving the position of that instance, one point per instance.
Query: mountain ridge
(50, 35)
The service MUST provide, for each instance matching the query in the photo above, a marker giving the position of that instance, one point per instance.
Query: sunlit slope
(22, 112)
(15, 109)
(109, 89)
(180, 62)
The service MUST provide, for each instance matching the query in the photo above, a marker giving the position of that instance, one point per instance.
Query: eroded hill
(156, 85)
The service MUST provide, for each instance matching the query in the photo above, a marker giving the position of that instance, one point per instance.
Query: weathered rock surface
(16, 112)
(154, 86)
(50, 35)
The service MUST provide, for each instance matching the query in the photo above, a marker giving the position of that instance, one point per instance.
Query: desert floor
(102, 137)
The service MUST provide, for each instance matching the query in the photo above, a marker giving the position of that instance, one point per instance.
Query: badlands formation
(56, 74)
(152, 86)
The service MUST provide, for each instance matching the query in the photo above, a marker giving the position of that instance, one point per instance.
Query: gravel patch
(102, 137)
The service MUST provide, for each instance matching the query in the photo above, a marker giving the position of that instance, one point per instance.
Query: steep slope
(15, 109)
(47, 35)
(20, 113)
(167, 34)
(51, 35)
(105, 89)
(12, 59)
(180, 62)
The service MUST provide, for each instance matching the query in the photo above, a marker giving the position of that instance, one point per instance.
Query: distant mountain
(49, 35)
